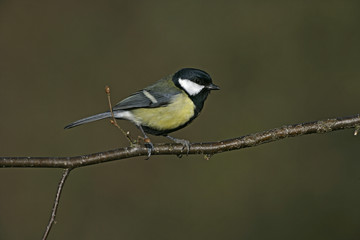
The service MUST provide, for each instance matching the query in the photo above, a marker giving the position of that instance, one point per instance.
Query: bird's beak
(212, 87)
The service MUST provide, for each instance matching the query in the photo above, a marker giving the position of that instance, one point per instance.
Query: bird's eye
(198, 81)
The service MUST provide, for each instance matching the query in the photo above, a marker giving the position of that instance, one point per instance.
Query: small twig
(113, 119)
(56, 203)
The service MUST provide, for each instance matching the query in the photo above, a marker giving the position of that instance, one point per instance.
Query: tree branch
(210, 148)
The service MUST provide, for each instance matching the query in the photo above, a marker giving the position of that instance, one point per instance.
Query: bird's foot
(150, 147)
(147, 142)
(186, 144)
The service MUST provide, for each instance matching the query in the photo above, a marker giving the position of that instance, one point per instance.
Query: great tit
(164, 107)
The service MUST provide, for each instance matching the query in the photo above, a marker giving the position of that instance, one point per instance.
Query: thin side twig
(113, 119)
(56, 203)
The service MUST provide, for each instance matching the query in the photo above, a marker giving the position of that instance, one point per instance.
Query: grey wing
(159, 94)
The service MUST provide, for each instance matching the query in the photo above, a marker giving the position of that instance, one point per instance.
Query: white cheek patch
(190, 87)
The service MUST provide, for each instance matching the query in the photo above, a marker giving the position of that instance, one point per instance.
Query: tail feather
(89, 119)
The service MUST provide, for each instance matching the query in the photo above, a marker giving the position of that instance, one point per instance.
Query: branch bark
(210, 148)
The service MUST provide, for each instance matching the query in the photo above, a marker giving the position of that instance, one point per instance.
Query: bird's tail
(88, 119)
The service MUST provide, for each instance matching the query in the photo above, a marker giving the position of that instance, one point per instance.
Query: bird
(163, 107)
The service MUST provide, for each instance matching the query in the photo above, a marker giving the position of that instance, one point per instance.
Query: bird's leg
(147, 141)
(186, 144)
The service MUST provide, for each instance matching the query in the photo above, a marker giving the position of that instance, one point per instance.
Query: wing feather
(156, 95)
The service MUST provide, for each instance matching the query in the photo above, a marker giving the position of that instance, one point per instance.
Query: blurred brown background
(277, 63)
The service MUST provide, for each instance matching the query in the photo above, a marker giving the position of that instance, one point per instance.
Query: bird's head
(194, 81)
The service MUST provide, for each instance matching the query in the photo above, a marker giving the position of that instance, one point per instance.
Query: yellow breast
(177, 113)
